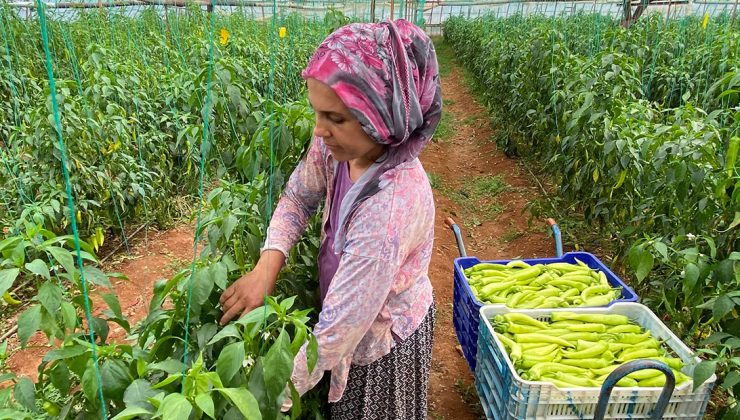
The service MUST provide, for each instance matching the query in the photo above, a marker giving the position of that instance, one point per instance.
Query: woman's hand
(249, 291)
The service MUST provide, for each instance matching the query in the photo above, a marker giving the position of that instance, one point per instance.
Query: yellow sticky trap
(706, 20)
(223, 36)
(282, 31)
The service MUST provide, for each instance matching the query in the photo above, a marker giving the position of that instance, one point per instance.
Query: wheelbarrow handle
(458, 236)
(626, 369)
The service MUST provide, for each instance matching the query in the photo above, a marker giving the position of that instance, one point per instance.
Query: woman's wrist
(268, 267)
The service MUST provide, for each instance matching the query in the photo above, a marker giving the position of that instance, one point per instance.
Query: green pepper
(588, 353)
(643, 374)
(542, 351)
(575, 336)
(50, 408)
(569, 293)
(543, 338)
(597, 328)
(626, 356)
(545, 368)
(494, 287)
(626, 381)
(514, 348)
(633, 338)
(605, 370)
(487, 266)
(621, 329)
(580, 278)
(655, 381)
(513, 300)
(517, 264)
(517, 318)
(521, 329)
(528, 360)
(563, 284)
(576, 380)
(564, 267)
(609, 319)
(601, 300)
(673, 362)
(531, 302)
(558, 383)
(598, 289)
(587, 363)
(551, 302)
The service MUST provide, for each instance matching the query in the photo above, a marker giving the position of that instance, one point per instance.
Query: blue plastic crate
(504, 395)
(466, 307)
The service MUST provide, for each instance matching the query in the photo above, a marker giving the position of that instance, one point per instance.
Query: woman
(376, 95)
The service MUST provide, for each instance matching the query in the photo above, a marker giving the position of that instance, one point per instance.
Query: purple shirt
(328, 259)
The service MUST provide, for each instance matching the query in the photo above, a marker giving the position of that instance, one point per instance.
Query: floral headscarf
(386, 74)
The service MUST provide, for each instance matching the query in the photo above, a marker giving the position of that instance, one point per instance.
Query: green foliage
(638, 128)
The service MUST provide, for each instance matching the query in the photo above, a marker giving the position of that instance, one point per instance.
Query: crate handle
(458, 235)
(626, 369)
(556, 234)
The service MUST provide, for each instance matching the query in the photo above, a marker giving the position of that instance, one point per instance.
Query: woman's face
(341, 131)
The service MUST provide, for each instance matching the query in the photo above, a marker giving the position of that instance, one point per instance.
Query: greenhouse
(485, 209)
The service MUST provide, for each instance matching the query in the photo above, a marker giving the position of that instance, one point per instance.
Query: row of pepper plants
(131, 91)
(638, 130)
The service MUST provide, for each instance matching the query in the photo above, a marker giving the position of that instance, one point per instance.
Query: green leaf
(279, 365)
(691, 276)
(228, 331)
(39, 268)
(725, 271)
(90, 382)
(28, 323)
(732, 379)
(704, 371)
(722, 306)
(115, 378)
(69, 316)
(100, 328)
(64, 258)
(170, 379)
(132, 412)
(112, 301)
(7, 277)
(205, 403)
(138, 394)
(244, 401)
(644, 266)
(219, 273)
(171, 366)
(202, 284)
(256, 315)
(65, 353)
(25, 393)
(175, 407)
(662, 249)
(94, 275)
(60, 375)
(50, 296)
(229, 225)
(10, 242)
(735, 221)
(230, 361)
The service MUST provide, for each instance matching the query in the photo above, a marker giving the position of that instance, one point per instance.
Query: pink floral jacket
(381, 286)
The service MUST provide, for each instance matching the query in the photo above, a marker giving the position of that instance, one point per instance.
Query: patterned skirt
(394, 386)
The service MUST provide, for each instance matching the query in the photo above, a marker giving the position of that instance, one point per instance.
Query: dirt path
(486, 193)
(160, 257)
